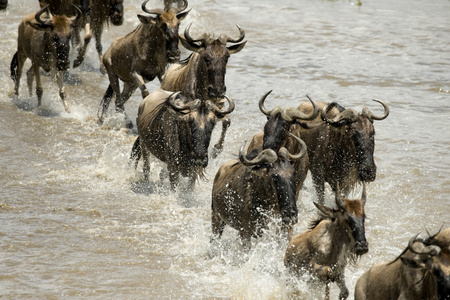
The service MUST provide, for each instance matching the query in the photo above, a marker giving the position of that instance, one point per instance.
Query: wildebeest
(341, 148)
(177, 131)
(421, 271)
(95, 15)
(142, 55)
(45, 40)
(332, 240)
(102, 12)
(202, 74)
(248, 193)
(281, 122)
(262, 184)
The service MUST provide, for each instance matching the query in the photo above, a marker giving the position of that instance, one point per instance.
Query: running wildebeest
(45, 40)
(142, 55)
(202, 74)
(421, 271)
(337, 236)
(177, 131)
(264, 184)
(341, 147)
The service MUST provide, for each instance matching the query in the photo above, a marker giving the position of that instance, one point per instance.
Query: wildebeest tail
(14, 64)
(136, 152)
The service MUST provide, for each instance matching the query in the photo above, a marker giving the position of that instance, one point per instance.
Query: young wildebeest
(341, 147)
(202, 75)
(45, 40)
(250, 191)
(334, 238)
(141, 55)
(422, 271)
(177, 131)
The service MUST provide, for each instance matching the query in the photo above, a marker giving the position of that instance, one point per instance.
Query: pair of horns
(204, 39)
(46, 8)
(159, 11)
(193, 104)
(288, 114)
(350, 115)
(269, 156)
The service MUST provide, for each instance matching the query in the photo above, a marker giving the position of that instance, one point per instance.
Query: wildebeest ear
(236, 48)
(182, 15)
(188, 45)
(147, 19)
(325, 209)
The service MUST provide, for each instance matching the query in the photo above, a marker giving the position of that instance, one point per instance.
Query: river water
(76, 221)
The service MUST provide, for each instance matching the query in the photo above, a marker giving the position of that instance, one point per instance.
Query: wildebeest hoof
(145, 94)
(102, 69)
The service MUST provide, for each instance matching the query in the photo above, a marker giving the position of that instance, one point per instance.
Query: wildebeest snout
(173, 55)
(215, 91)
(361, 247)
(367, 173)
(289, 216)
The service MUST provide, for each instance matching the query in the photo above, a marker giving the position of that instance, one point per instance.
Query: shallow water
(77, 222)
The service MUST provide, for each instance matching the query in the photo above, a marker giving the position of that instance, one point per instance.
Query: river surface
(77, 222)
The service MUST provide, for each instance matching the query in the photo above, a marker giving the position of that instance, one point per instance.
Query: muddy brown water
(76, 221)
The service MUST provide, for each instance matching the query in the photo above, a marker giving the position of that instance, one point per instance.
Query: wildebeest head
(432, 256)
(279, 168)
(116, 12)
(198, 119)
(60, 29)
(168, 22)
(279, 121)
(350, 213)
(361, 132)
(214, 54)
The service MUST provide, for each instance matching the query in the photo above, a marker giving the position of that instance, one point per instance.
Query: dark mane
(313, 224)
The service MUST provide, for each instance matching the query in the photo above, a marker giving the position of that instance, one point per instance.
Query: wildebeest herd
(336, 145)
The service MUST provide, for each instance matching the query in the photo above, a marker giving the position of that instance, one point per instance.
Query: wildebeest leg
(319, 184)
(105, 103)
(173, 177)
(39, 90)
(98, 45)
(146, 159)
(128, 89)
(219, 146)
(62, 93)
(141, 84)
(340, 281)
(16, 70)
(30, 78)
(217, 226)
(87, 40)
(327, 289)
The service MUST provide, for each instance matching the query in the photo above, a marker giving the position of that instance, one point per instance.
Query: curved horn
(184, 6)
(431, 250)
(218, 111)
(263, 109)
(239, 39)
(372, 117)
(289, 114)
(39, 13)
(191, 40)
(265, 156)
(191, 105)
(285, 152)
(151, 11)
(364, 194)
(78, 16)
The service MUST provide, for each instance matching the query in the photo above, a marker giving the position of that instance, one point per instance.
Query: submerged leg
(219, 146)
